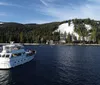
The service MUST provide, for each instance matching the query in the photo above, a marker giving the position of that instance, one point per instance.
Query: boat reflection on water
(5, 77)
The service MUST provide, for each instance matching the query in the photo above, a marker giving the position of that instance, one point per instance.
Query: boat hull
(6, 63)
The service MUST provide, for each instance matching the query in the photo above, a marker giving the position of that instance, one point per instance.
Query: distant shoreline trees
(40, 33)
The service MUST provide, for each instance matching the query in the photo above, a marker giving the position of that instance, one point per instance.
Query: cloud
(43, 2)
(6, 4)
(3, 3)
(10, 4)
(88, 9)
(38, 21)
(3, 14)
(47, 2)
(92, 10)
(60, 12)
(94, 0)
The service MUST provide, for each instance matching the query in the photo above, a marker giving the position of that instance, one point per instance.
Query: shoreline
(55, 44)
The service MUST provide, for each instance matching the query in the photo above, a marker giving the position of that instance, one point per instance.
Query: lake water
(57, 65)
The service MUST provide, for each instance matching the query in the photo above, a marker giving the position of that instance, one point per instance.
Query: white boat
(13, 55)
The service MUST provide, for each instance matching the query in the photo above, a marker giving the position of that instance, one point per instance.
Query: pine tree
(21, 37)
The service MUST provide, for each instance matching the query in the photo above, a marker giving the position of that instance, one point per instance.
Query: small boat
(13, 55)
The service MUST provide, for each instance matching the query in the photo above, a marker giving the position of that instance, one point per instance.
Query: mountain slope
(40, 33)
(65, 27)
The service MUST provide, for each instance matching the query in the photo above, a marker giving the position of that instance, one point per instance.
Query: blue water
(57, 65)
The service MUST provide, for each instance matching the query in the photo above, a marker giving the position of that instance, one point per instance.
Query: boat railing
(30, 52)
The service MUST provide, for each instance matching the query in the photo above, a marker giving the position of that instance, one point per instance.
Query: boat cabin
(12, 50)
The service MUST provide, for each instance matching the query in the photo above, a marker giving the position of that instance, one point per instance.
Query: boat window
(13, 55)
(23, 53)
(19, 47)
(18, 54)
(7, 47)
(7, 56)
(3, 55)
(0, 55)
(29, 54)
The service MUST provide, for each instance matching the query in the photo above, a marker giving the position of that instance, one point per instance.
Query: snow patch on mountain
(65, 27)
(88, 27)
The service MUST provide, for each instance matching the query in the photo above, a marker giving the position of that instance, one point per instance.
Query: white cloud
(69, 11)
(58, 10)
(47, 2)
(4, 4)
(94, 0)
(3, 14)
(62, 12)
(10, 4)
(43, 2)
(91, 10)
(38, 21)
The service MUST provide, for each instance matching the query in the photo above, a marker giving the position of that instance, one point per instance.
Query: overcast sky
(42, 11)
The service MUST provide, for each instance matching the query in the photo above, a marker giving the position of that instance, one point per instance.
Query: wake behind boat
(14, 54)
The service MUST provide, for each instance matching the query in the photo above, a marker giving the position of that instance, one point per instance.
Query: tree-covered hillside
(40, 33)
(93, 34)
(28, 32)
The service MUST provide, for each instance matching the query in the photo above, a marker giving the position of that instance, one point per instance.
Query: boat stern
(4, 63)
